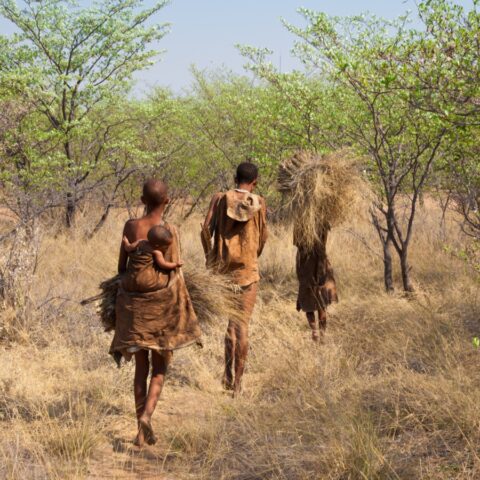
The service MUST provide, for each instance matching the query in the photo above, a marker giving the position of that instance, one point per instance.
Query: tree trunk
(385, 236)
(16, 275)
(70, 209)
(407, 285)
(388, 266)
(102, 220)
(71, 201)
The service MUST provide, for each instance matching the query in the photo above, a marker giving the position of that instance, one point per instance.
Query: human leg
(248, 299)
(312, 321)
(322, 320)
(230, 342)
(142, 367)
(160, 362)
(241, 352)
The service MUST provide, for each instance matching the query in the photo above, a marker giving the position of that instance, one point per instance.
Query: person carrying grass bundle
(319, 192)
(153, 310)
(316, 283)
(237, 222)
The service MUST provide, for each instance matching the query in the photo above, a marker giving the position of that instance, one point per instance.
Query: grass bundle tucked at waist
(213, 296)
(107, 298)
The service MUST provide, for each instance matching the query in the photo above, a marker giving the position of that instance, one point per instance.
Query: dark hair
(155, 192)
(246, 173)
(159, 235)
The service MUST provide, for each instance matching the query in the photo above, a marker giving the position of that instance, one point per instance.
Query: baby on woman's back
(159, 239)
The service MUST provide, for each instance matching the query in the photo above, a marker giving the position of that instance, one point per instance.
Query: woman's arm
(123, 255)
(162, 263)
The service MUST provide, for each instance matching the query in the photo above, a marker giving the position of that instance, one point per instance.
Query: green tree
(359, 56)
(67, 62)
(310, 118)
(449, 77)
(445, 61)
(234, 118)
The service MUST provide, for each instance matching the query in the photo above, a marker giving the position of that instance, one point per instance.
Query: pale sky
(204, 32)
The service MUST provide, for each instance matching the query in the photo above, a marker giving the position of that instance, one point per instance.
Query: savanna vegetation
(394, 392)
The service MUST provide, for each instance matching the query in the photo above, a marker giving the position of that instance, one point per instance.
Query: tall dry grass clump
(321, 192)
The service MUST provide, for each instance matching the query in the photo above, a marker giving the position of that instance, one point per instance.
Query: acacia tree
(67, 61)
(464, 182)
(20, 172)
(233, 120)
(310, 118)
(123, 155)
(21, 169)
(445, 63)
(447, 82)
(359, 56)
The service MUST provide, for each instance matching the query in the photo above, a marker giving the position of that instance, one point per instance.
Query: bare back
(137, 229)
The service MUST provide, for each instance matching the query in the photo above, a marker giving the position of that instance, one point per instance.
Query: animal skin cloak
(153, 308)
(239, 230)
(317, 288)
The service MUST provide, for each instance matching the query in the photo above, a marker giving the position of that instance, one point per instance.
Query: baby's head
(160, 238)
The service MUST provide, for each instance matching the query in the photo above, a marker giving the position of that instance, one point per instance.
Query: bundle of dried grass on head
(321, 192)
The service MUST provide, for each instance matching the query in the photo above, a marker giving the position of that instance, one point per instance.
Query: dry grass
(393, 394)
(213, 296)
(107, 300)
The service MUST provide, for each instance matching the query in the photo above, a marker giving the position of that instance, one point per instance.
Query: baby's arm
(162, 263)
(130, 247)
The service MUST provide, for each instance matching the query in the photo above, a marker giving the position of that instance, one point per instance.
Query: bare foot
(237, 390)
(316, 336)
(227, 382)
(146, 428)
(140, 438)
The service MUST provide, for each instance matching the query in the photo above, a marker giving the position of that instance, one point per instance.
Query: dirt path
(180, 405)
(119, 459)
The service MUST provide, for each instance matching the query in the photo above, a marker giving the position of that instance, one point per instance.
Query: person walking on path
(237, 222)
(153, 310)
